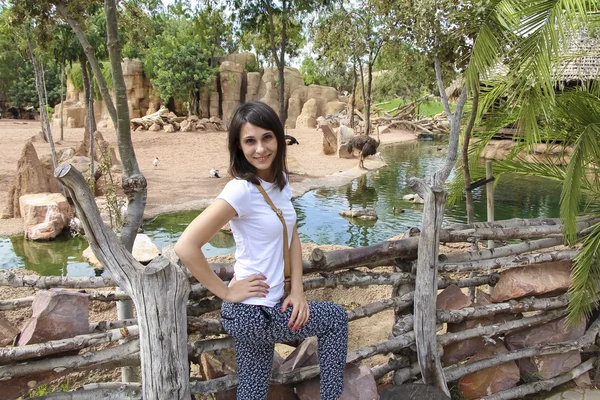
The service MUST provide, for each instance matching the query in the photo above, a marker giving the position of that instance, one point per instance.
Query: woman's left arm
(296, 298)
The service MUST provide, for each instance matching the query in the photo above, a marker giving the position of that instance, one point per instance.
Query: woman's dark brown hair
(263, 116)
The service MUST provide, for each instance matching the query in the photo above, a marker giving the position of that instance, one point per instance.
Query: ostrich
(366, 144)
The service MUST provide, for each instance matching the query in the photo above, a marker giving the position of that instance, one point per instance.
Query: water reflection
(318, 213)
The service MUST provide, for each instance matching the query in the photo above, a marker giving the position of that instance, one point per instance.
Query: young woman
(254, 310)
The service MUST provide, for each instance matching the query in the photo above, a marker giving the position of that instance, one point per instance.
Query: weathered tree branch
(99, 391)
(18, 353)
(111, 357)
(503, 251)
(161, 319)
(497, 329)
(509, 262)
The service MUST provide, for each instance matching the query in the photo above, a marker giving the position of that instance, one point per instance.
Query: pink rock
(8, 332)
(544, 278)
(359, 384)
(490, 380)
(45, 215)
(304, 355)
(56, 314)
(548, 366)
(452, 298)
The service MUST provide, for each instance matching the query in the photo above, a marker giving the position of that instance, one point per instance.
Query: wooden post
(489, 189)
(159, 291)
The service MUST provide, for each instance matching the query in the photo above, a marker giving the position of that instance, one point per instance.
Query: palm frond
(585, 278)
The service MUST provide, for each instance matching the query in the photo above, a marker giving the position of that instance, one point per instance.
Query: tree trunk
(62, 88)
(279, 60)
(465, 157)
(161, 319)
(362, 81)
(353, 100)
(426, 281)
(367, 97)
(41, 99)
(134, 183)
(91, 56)
(91, 120)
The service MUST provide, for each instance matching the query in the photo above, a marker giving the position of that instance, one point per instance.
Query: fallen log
(515, 232)
(18, 353)
(106, 325)
(497, 329)
(503, 251)
(202, 346)
(97, 391)
(126, 354)
(508, 262)
(515, 222)
(154, 118)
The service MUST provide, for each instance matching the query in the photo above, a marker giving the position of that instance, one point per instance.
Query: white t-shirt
(258, 233)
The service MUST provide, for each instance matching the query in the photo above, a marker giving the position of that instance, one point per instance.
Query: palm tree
(528, 38)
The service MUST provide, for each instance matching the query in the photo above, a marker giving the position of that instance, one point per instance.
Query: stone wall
(232, 86)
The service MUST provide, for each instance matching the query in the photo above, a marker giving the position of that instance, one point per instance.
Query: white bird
(155, 162)
(214, 173)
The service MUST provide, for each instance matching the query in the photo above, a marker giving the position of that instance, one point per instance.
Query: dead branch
(497, 329)
(126, 354)
(508, 262)
(99, 391)
(503, 251)
(203, 346)
(12, 354)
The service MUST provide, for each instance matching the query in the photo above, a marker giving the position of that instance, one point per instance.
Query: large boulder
(31, 177)
(308, 117)
(143, 251)
(295, 104)
(544, 278)
(490, 380)
(253, 84)
(56, 314)
(334, 107)
(359, 384)
(8, 332)
(45, 215)
(231, 87)
(548, 366)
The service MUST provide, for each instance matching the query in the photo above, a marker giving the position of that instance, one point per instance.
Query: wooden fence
(474, 269)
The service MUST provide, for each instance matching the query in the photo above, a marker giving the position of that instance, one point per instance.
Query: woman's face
(259, 146)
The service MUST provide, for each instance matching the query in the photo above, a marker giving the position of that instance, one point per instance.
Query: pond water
(318, 213)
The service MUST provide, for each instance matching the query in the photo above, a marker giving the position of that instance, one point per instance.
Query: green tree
(272, 25)
(178, 63)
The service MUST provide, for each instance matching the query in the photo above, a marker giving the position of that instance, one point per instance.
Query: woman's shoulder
(237, 184)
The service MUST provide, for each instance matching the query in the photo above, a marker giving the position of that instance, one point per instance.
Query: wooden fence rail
(25, 360)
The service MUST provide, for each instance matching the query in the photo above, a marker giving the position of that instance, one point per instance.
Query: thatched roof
(584, 59)
(583, 64)
(453, 91)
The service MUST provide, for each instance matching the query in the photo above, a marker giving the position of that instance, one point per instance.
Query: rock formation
(232, 85)
(31, 177)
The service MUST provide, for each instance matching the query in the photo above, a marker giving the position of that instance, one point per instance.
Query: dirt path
(182, 180)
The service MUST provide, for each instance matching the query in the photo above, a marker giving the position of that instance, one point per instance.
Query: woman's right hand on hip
(252, 286)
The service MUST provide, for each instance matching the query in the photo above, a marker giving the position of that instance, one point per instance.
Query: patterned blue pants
(256, 329)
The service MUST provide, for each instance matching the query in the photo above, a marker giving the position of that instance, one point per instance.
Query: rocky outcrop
(548, 366)
(231, 86)
(31, 177)
(45, 215)
(544, 278)
(490, 380)
(308, 116)
(143, 251)
(56, 314)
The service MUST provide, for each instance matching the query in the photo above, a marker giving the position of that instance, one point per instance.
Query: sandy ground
(182, 180)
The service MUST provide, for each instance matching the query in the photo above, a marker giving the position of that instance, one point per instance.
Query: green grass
(427, 109)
